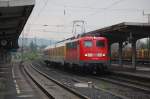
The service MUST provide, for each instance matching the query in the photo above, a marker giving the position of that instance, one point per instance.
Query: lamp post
(22, 48)
(148, 39)
(45, 25)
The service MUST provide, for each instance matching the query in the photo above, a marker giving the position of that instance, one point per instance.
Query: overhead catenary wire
(45, 4)
(109, 6)
(98, 8)
(38, 14)
(40, 10)
(61, 25)
(67, 7)
(81, 7)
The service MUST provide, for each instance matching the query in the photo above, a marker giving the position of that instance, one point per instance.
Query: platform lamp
(22, 48)
(148, 39)
(45, 25)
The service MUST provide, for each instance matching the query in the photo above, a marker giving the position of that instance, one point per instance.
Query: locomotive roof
(75, 39)
(63, 42)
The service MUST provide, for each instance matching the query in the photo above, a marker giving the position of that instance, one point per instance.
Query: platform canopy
(13, 17)
(123, 31)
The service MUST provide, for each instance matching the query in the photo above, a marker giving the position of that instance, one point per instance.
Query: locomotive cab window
(100, 43)
(88, 43)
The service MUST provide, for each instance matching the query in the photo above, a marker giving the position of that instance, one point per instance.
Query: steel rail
(126, 83)
(40, 86)
(61, 85)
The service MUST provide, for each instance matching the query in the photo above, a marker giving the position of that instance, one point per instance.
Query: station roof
(13, 17)
(122, 31)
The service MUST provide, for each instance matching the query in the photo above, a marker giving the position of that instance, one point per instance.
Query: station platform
(7, 87)
(140, 71)
(14, 84)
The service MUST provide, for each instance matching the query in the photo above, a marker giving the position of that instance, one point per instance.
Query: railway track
(66, 92)
(129, 88)
(92, 92)
(126, 82)
(144, 63)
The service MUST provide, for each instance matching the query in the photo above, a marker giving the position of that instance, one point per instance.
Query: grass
(30, 56)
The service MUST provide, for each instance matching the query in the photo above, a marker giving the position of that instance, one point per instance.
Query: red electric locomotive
(87, 53)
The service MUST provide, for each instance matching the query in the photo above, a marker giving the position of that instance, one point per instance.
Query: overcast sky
(53, 19)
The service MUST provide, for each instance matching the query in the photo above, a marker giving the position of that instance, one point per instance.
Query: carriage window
(88, 43)
(100, 43)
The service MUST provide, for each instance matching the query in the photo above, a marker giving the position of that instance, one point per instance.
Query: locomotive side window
(88, 43)
(100, 43)
(69, 45)
(72, 45)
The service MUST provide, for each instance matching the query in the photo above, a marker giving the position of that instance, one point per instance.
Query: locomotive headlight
(99, 54)
(104, 54)
(89, 54)
(86, 55)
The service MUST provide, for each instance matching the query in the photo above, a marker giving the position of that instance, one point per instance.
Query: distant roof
(121, 31)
